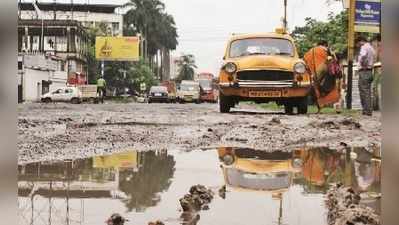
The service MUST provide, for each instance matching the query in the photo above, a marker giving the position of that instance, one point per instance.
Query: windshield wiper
(284, 53)
(257, 53)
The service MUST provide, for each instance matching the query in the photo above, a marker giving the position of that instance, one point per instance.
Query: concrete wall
(31, 88)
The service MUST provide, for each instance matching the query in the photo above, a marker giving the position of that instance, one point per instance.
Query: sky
(204, 26)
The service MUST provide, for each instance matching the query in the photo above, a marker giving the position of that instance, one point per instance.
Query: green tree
(148, 17)
(136, 73)
(101, 29)
(335, 31)
(186, 65)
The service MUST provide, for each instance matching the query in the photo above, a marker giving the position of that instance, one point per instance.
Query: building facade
(89, 15)
(51, 52)
(53, 44)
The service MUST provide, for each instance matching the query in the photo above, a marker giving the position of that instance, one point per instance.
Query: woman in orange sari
(317, 60)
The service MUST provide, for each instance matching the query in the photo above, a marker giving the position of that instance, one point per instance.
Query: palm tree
(149, 18)
(187, 67)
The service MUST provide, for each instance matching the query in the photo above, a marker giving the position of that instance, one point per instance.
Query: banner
(117, 48)
(368, 16)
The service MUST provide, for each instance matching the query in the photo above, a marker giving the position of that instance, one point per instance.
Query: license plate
(272, 94)
(158, 94)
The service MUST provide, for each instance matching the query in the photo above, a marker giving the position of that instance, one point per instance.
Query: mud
(344, 208)
(278, 187)
(59, 131)
(197, 199)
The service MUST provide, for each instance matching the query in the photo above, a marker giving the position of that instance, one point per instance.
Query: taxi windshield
(261, 46)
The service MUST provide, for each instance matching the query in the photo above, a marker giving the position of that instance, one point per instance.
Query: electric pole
(351, 50)
(285, 23)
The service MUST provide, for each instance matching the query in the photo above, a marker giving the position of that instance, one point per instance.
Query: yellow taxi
(262, 68)
(258, 171)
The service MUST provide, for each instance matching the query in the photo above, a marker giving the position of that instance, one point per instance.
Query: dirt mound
(344, 207)
(198, 199)
(345, 123)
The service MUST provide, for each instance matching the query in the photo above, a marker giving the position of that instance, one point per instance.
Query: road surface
(60, 131)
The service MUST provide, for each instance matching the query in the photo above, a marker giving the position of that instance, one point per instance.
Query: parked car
(158, 94)
(189, 91)
(64, 94)
(264, 68)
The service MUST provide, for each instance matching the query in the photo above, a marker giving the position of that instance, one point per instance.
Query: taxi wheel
(303, 105)
(224, 104)
(289, 108)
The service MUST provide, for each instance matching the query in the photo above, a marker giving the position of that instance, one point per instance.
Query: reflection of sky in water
(146, 186)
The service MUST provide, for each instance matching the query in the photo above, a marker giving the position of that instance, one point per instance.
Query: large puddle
(261, 188)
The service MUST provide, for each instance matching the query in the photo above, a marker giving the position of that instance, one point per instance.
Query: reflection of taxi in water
(247, 169)
(263, 68)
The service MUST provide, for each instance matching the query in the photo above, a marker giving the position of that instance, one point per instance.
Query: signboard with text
(117, 48)
(368, 16)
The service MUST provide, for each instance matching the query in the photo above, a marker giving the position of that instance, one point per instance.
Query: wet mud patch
(277, 187)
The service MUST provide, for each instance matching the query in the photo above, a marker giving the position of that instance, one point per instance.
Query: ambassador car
(264, 68)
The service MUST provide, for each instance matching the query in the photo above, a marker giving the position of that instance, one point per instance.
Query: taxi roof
(260, 35)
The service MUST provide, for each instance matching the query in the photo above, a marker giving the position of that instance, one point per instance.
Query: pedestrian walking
(101, 88)
(366, 62)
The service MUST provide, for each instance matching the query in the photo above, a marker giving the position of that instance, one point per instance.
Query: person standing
(317, 59)
(101, 88)
(366, 63)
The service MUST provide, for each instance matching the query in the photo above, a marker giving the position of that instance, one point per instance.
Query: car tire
(224, 103)
(92, 100)
(289, 108)
(46, 100)
(75, 101)
(198, 101)
(302, 105)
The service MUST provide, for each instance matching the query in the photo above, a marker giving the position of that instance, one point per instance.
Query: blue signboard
(368, 16)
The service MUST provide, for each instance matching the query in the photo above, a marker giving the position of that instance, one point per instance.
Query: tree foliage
(136, 73)
(186, 67)
(335, 31)
(148, 17)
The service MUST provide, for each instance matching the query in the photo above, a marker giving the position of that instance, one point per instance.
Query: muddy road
(59, 131)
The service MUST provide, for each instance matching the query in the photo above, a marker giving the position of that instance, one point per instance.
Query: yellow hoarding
(117, 48)
(122, 160)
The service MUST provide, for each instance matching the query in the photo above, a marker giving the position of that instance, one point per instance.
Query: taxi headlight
(230, 67)
(300, 68)
(228, 159)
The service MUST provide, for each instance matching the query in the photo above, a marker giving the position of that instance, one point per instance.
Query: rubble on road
(198, 199)
(59, 131)
(344, 207)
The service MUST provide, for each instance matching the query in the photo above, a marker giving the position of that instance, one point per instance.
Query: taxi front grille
(265, 75)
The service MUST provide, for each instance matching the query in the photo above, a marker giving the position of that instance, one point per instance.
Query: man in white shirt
(366, 63)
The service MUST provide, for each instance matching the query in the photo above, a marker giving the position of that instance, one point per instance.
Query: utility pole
(351, 51)
(285, 22)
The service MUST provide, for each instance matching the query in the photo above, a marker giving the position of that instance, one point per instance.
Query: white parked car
(65, 94)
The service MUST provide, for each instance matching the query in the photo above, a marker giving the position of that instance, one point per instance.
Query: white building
(89, 15)
(39, 74)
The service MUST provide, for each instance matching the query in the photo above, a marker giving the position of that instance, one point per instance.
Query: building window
(62, 65)
(115, 28)
(35, 43)
(19, 65)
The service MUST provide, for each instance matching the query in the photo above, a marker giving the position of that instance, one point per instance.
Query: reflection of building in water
(59, 182)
